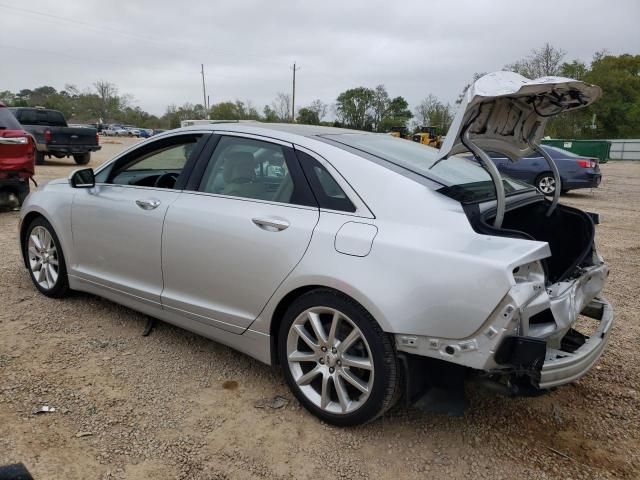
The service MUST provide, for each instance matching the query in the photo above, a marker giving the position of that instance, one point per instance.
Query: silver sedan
(369, 268)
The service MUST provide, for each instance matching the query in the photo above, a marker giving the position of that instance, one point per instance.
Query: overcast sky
(153, 49)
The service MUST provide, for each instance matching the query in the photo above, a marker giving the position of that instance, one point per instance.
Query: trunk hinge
(552, 165)
(493, 172)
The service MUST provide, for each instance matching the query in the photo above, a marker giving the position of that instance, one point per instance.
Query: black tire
(545, 183)
(61, 286)
(39, 158)
(385, 389)
(82, 158)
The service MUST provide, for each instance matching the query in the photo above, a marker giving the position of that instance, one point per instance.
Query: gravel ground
(174, 405)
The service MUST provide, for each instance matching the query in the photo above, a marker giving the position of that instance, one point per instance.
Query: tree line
(615, 115)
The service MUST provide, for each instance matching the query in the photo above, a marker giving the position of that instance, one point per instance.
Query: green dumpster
(589, 148)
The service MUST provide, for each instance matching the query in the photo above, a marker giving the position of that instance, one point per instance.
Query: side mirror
(83, 178)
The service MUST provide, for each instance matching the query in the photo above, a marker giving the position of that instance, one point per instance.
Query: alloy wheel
(547, 185)
(330, 360)
(43, 257)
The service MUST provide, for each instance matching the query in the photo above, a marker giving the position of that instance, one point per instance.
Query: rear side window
(8, 121)
(50, 118)
(327, 191)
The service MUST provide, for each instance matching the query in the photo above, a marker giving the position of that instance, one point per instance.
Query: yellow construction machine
(428, 136)
(400, 132)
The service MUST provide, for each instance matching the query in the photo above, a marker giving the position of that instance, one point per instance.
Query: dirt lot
(174, 405)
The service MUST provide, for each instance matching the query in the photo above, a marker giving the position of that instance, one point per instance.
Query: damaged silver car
(370, 268)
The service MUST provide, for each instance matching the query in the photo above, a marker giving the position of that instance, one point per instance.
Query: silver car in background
(368, 267)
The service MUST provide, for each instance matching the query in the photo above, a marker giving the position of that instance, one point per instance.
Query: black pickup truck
(54, 137)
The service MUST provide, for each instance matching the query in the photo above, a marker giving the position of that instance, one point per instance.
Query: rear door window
(255, 169)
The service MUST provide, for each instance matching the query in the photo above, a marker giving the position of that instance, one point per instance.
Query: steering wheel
(166, 180)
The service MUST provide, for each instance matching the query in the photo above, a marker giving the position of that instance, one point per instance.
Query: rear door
(229, 243)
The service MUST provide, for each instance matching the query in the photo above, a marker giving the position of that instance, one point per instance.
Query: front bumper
(562, 367)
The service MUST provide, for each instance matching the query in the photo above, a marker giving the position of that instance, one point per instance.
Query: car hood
(505, 111)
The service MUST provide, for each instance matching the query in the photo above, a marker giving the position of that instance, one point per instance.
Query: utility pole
(204, 93)
(293, 96)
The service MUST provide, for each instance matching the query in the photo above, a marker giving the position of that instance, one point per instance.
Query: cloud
(153, 49)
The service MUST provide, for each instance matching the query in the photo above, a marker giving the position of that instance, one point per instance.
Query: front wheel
(546, 184)
(337, 360)
(45, 259)
(82, 158)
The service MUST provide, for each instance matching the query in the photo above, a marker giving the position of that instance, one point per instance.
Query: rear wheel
(39, 158)
(337, 360)
(45, 259)
(82, 158)
(546, 183)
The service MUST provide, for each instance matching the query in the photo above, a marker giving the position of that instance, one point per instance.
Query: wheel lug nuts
(334, 350)
(322, 361)
(324, 349)
(339, 363)
(331, 369)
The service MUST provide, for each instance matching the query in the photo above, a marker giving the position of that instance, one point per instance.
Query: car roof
(287, 128)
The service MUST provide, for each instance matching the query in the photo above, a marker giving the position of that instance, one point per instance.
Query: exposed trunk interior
(568, 231)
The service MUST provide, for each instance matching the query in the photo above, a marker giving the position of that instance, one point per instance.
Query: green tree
(397, 114)
(7, 97)
(353, 108)
(379, 106)
(270, 115)
(308, 116)
(617, 113)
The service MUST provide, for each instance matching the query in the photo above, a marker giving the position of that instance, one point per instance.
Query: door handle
(271, 224)
(148, 204)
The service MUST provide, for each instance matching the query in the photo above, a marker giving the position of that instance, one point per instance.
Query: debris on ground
(43, 409)
(275, 403)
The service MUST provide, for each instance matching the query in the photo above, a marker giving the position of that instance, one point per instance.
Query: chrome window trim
(137, 187)
(253, 136)
(248, 199)
(147, 141)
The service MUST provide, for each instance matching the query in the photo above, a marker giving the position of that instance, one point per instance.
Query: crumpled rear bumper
(562, 367)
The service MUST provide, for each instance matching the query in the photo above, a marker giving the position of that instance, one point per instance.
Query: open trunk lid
(505, 112)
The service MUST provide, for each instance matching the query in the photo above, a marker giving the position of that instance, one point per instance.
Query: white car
(368, 267)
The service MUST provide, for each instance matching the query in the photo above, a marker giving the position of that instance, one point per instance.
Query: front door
(117, 226)
(227, 246)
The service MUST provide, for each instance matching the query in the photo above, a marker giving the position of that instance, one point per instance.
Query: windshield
(462, 178)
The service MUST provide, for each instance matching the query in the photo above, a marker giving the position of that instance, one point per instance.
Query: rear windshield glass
(8, 121)
(462, 178)
(50, 118)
